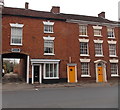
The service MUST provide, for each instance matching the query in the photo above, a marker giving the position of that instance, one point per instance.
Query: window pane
(97, 32)
(48, 46)
(48, 28)
(83, 48)
(51, 70)
(47, 70)
(16, 35)
(83, 30)
(112, 49)
(114, 69)
(98, 49)
(85, 68)
(110, 32)
(55, 70)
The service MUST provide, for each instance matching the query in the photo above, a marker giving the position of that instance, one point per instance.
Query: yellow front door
(100, 74)
(71, 74)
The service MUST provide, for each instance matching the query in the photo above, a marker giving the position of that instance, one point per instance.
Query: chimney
(55, 9)
(102, 15)
(26, 5)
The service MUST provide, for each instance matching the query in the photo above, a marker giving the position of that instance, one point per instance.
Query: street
(73, 97)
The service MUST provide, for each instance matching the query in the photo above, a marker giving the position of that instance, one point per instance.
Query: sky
(81, 7)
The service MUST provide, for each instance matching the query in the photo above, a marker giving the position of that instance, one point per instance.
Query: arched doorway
(100, 66)
(23, 65)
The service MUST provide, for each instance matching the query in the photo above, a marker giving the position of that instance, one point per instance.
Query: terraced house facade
(57, 47)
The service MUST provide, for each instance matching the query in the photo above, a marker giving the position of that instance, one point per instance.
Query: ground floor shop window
(114, 69)
(50, 71)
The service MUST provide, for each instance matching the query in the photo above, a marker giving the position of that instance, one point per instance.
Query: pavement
(14, 86)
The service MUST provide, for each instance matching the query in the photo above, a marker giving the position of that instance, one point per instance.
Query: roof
(49, 15)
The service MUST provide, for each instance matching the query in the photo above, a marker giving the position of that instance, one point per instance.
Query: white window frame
(49, 25)
(16, 25)
(88, 64)
(115, 53)
(81, 31)
(97, 28)
(109, 29)
(51, 39)
(114, 75)
(57, 77)
(99, 55)
(85, 41)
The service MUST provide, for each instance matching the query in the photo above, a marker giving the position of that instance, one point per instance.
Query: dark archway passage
(22, 63)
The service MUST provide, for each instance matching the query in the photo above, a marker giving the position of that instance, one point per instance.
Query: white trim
(99, 55)
(83, 35)
(98, 41)
(112, 42)
(28, 58)
(83, 40)
(113, 61)
(97, 27)
(44, 61)
(112, 75)
(48, 23)
(16, 25)
(97, 61)
(40, 74)
(48, 38)
(84, 60)
(32, 74)
(49, 54)
(84, 55)
(15, 44)
(44, 75)
(113, 56)
(85, 76)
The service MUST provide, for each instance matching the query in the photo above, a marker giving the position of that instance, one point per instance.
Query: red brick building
(57, 47)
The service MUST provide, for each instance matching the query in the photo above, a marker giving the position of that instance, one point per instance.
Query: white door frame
(104, 70)
(40, 73)
(28, 62)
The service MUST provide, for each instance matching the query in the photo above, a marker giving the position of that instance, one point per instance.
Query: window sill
(113, 56)
(85, 76)
(111, 37)
(49, 54)
(48, 32)
(99, 56)
(115, 75)
(51, 77)
(97, 35)
(83, 35)
(84, 55)
(16, 44)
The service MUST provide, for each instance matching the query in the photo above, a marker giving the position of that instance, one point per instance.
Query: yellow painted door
(100, 74)
(72, 74)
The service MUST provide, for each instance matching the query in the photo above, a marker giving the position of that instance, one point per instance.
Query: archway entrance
(22, 68)
(100, 66)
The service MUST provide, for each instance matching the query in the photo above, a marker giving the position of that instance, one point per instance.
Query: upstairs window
(48, 45)
(112, 49)
(110, 32)
(16, 34)
(97, 31)
(98, 49)
(83, 48)
(83, 30)
(48, 27)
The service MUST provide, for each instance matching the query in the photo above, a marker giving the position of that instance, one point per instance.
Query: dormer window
(48, 27)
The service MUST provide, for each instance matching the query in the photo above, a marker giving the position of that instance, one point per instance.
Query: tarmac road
(71, 97)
